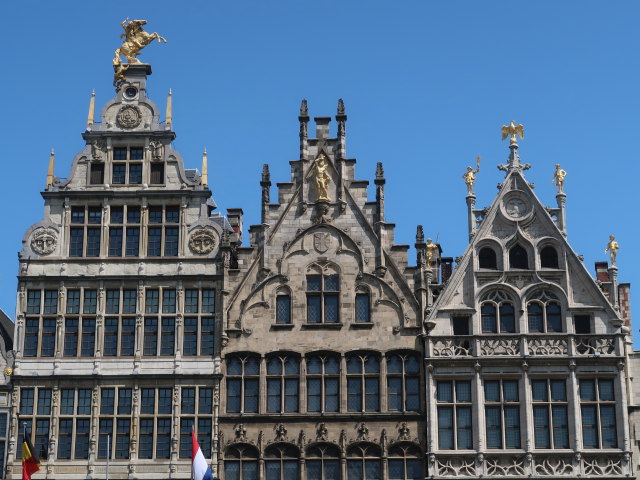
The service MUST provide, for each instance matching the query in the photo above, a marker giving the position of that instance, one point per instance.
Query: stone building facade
(117, 304)
(316, 351)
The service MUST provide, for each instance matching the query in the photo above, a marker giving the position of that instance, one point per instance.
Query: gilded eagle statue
(513, 130)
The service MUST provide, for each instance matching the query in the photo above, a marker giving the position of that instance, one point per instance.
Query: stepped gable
(518, 218)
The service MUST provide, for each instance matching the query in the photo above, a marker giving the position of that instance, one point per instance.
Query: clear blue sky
(427, 86)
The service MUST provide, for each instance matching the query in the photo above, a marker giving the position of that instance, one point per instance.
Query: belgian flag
(30, 461)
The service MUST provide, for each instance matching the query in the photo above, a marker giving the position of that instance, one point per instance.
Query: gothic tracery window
(323, 463)
(403, 382)
(281, 463)
(241, 463)
(404, 462)
(363, 462)
(283, 383)
(323, 296)
(243, 374)
(497, 313)
(363, 382)
(323, 383)
(544, 313)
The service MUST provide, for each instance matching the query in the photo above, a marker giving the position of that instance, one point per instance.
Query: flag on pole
(30, 461)
(199, 468)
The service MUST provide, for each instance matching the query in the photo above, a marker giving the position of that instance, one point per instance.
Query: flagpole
(106, 473)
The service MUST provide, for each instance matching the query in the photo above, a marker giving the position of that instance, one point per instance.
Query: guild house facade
(316, 349)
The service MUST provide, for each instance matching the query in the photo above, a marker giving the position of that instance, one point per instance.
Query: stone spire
(341, 118)
(303, 118)
(92, 109)
(265, 183)
(205, 176)
(169, 114)
(52, 159)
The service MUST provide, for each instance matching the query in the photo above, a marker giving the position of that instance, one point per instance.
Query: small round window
(130, 92)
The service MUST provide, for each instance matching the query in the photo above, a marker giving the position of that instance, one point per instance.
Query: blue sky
(427, 86)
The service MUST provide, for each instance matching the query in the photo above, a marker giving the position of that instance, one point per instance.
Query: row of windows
(518, 258)
(502, 412)
(127, 169)
(324, 462)
(162, 231)
(498, 315)
(323, 378)
(115, 410)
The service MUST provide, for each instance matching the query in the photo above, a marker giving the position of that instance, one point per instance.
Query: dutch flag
(199, 468)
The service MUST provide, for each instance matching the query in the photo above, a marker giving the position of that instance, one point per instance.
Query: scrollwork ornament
(202, 241)
(44, 241)
(129, 116)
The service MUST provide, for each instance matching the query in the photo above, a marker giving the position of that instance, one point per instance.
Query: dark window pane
(133, 214)
(50, 301)
(71, 337)
(82, 439)
(115, 241)
(157, 174)
(205, 401)
(168, 300)
(171, 241)
(150, 336)
(208, 300)
(283, 309)
(44, 401)
(488, 314)
(191, 300)
(127, 343)
(88, 337)
(107, 400)
(167, 344)
(90, 301)
(152, 301)
(119, 153)
(154, 242)
(314, 283)
(124, 401)
(507, 318)
(119, 174)
(129, 301)
(534, 314)
(84, 401)
(148, 401)
(362, 308)
(76, 241)
(136, 153)
(133, 242)
(110, 337)
(314, 309)
(67, 401)
(95, 215)
(31, 337)
(190, 337)
(48, 337)
(207, 336)
(93, 242)
(113, 301)
(33, 301)
(164, 400)
(172, 214)
(135, 173)
(155, 214)
(188, 404)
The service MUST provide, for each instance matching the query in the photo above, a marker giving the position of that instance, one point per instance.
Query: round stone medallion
(202, 241)
(129, 116)
(44, 241)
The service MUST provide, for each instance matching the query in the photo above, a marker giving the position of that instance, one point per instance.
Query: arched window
(281, 463)
(404, 463)
(363, 382)
(283, 307)
(497, 313)
(487, 258)
(518, 257)
(363, 313)
(363, 462)
(323, 463)
(323, 383)
(241, 463)
(549, 257)
(323, 295)
(544, 313)
(243, 374)
(403, 382)
(283, 383)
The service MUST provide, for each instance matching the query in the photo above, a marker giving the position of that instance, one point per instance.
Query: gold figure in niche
(470, 176)
(430, 252)
(322, 178)
(558, 178)
(612, 248)
(512, 130)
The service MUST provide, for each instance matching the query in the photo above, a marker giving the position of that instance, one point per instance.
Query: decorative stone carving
(44, 240)
(553, 466)
(455, 466)
(452, 347)
(281, 432)
(321, 432)
(602, 466)
(501, 466)
(97, 149)
(595, 345)
(129, 116)
(321, 241)
(499, 346)
(547, 345)
(404, 433)
(202, 241)
(157, 150)
(363, 432)
(241, 433)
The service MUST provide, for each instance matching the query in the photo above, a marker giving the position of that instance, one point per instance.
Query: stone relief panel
(203, 241)
(44, 240)
(129, 116)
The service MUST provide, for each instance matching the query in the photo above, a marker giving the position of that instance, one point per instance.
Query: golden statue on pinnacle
(135, 39)
(512, 130)
(470, 176)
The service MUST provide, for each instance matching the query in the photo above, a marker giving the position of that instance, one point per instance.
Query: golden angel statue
(430, 248)
(558, 178)
(612, 248)
(470, 176)
(135, 39)
(512, 130)
(322, 178)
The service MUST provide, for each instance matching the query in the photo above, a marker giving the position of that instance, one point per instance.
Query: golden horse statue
(135, 39)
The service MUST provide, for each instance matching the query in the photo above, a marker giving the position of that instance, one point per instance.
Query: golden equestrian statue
(470, 176)
(135, 39)
(512, 130)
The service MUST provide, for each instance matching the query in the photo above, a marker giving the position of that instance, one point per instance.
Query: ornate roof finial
(512, 130)
(419, 234)
(169, 113)
(303, 108)
(266, 176)
(340, 107)
(92, 108)
(379, 170)
(52, 159)
(204, 176)
(558, 178)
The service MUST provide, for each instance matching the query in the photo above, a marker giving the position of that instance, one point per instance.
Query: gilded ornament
(430, 250)
(135, 39)
(513, 130)
(44, 241)
(612, 248)
(470, 176)
(322, 178)
(558, 178)
(202, 241)
(129, 116)
(8, 371)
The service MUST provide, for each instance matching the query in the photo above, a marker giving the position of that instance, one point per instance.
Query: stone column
(471, 203)
(561, 199)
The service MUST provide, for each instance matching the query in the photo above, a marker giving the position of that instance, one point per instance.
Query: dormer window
(127, 165)
(518, 258)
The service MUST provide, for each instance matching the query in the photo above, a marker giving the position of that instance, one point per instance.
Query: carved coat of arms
(321, 241)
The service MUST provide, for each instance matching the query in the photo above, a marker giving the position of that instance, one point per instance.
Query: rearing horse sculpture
(135, 39)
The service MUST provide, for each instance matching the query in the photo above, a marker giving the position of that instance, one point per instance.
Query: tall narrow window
(323, 383)
(544, 313)
(487, 258)
(598, 408)
(323, 293)
(363, 462)
(283, 383)
(363, 314)
(550, 415)
(403, 382)
(97, 174)
(454, 415)
(518, 257)
(404, 463)
(323, 462)
(363, 382)
(497, 313)
(502, 413)
(241, 463)
(243, 374)
(157, 174)
(281, 463)
(283, 308)
(127, 166)
(548, 257)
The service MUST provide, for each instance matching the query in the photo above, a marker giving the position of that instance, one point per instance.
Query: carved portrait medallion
(44, 240)
(129, 116)
(202, 241)
(516, 208)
